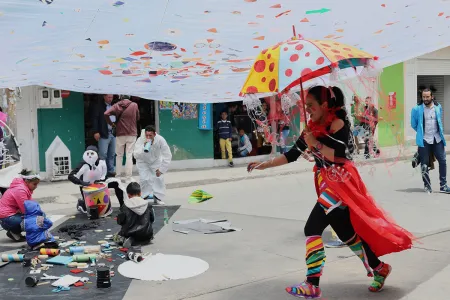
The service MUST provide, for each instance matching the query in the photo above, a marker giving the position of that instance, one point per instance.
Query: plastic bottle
(166, 217)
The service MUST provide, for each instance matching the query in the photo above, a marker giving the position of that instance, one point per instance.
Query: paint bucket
(136, 257)
(97, 196)
(31, 281)
(12, 257)
(84, 257)
(49, 252)
(103, 278)
(26, 261)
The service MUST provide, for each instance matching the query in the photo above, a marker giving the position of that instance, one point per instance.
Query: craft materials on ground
(60, 260)
(49, 252)
(161, 267)
(203, 226)
(199, 196)
(12, 257)
(75, 231)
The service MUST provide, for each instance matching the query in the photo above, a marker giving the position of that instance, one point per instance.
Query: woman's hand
(310, 139)
(256, 165)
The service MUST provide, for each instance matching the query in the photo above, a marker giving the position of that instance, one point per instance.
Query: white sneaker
(156, 201)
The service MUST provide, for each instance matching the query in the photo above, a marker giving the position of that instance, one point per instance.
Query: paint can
(26, 261)
(136, 257)
(93, 213)
(12, 257)
(84, 257)
(49, 252)
(42, 256)
(31, 281)
(103, 278)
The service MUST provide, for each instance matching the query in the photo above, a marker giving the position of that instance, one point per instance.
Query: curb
(372, 161)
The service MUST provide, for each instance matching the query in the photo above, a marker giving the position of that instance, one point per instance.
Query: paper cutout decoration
(199, 196)
(77, 57)
(162, 267)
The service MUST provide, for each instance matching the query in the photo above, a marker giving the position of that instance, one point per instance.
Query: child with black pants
(136, 218)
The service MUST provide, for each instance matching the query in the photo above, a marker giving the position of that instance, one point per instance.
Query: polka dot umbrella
(285, 65)
(290, 64)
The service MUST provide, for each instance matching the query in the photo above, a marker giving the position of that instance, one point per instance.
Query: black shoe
(110, 174)
(81, 206)
(231, 164)
(15, 237)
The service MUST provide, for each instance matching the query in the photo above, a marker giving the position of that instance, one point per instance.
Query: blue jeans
(107, 151)
(243, 153)
(12, 223)
(439, 152)
(284, 136)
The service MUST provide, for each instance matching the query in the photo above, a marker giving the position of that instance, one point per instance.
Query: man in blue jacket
(426, 120)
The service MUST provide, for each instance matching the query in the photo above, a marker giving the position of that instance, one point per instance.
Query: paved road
(258, 262)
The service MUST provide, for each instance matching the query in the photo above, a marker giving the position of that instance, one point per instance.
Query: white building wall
(433, 63)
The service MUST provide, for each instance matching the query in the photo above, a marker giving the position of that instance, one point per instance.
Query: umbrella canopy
(284, 65)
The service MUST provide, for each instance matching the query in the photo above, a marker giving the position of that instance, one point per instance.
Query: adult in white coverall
(153, 157)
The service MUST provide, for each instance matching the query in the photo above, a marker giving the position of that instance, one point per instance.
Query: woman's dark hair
(134, 189)
(150, 128)
(323, 94)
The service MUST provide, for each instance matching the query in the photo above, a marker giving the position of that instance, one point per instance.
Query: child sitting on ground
(136, 218)
(36, 227)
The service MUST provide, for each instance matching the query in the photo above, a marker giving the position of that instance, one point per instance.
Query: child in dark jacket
(136, 218)
(36, 226)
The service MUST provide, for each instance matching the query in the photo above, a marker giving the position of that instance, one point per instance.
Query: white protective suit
(147, 163)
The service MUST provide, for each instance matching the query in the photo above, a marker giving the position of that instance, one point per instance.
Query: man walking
(103, 133)
(153, 158)
(127, 116)
(426, 120)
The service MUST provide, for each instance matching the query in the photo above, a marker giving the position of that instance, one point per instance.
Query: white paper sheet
(161, 267)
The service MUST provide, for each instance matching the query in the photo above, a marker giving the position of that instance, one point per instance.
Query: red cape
(370, 221)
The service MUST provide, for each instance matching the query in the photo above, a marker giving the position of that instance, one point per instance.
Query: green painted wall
(186, 141)
(67, 123)
(390, 129)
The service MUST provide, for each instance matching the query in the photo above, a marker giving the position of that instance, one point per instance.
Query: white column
(410, 93)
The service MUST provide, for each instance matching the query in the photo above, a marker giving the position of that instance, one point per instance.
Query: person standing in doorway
(125, 129)
(103, 133)
(426, 120)
(225, 130)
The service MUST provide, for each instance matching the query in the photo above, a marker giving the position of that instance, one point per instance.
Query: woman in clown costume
(343, 200)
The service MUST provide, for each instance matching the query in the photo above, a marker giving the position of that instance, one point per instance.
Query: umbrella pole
(302, 97)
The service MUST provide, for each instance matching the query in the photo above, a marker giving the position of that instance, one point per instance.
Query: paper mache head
(90, 156)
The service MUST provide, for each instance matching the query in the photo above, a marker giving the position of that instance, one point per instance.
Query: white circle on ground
(161, 267)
